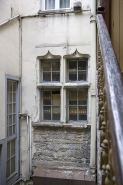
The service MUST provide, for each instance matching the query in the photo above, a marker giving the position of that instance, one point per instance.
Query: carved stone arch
(77, 54)
(48, 55)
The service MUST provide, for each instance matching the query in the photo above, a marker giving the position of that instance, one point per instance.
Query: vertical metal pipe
(28, 140)
(30, 146)
(93, 86)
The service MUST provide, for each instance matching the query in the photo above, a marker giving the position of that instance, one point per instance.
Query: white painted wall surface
(6, 6)
(30, 7)
(59, 34)
(9, 62)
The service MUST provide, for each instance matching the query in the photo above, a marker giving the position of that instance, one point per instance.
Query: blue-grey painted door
(12, 129)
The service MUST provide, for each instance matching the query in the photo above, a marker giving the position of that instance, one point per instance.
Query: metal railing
(110, 109)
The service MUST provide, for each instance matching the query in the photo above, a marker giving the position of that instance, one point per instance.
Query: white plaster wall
(5, 9)
(30, 7)
(59, 34)
(9, 62)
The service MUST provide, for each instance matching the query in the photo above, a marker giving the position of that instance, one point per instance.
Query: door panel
(12, 130)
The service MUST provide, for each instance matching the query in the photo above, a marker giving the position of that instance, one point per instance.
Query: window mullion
(42, 105)
(42, 72)
(12, 108)
(68, 72)
(51, 71)
(57, 4)
(10, 158)
(68, 104)
(77, 107)
(77, 70)
(86, 71)
(51, 107)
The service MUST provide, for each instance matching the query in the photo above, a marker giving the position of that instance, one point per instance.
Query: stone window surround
(63, 86)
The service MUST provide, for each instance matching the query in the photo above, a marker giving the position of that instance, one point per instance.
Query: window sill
(77, 84)
(56, 11)
(47, 85)
(81, 125)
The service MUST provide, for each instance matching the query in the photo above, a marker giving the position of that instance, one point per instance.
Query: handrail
(113, 86)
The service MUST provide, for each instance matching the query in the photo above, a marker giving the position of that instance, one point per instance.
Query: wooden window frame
(57, 5)
(42, 105)
(42, 62)
(77, 60)
(77, 90)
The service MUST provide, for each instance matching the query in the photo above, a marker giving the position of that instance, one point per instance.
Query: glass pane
(13, 129)
(9, 97)
(14, 86)
(73, 98)
(55, 66)
(10, 131)
(8, 150)
(9, 86)
(14, 118)
(56, 113)
(10, 120)
(72, 76)
(49, 4)
(47, 112)
(82, 75)
(12, 165)
(9, 110)
(47, 98)
(14, 97)
(82, 113)
(73, 65)
(8, 169)
(55, 76)
(55, 97)
(46, 66)
(14, 107)
(81, 65)
(46, 76)
(82, 97)
(7, 131)
(64, 3)
(12, 148)
(73, 113)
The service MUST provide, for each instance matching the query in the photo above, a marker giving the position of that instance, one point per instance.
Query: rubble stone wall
(61, 147)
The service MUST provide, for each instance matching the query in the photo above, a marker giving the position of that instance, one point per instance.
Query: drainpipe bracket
(93, 168)
(93, 18)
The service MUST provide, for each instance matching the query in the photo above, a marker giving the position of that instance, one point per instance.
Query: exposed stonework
(61, 147)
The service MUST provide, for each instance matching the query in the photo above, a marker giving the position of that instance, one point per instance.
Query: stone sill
(66, 85)
(83, 125)
(57, 11)
(49, 85)
(76, 175)
(77, 84)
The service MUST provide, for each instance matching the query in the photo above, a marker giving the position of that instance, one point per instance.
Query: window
(77, 105)
(77, 70)
(50, 71)
(63, 88)
(64, 3)
(49, 4)
(51, 105)
(55, 4)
